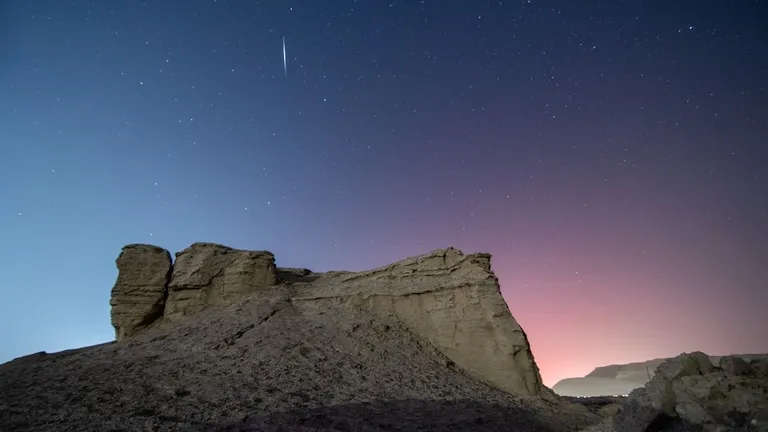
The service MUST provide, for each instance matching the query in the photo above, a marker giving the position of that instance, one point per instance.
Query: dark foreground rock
(398, 415)
(689, 393)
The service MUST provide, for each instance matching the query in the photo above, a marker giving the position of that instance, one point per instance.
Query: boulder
(693, 364)
(207, 274)
(689, 393)
(138, 296)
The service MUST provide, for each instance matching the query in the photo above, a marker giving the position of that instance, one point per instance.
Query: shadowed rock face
(450, 299)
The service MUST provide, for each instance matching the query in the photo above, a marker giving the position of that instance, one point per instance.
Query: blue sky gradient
(610, 155)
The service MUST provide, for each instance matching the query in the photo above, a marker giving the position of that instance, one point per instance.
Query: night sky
(611, 155)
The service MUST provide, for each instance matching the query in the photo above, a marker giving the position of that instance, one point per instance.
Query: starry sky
(611, 155)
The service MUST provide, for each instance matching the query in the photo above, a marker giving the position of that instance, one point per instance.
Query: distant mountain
(619, 379)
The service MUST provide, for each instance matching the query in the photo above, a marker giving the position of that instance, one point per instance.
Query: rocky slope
(222, 339)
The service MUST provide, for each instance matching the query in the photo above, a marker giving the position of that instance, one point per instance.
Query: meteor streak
(285, 60)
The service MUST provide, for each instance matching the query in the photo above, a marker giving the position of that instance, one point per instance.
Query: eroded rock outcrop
(688, 392)
(138, 297)
(207, 274)
(447, 298)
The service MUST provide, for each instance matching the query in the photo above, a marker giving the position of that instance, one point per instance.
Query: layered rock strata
(139, 295)
(207, 274)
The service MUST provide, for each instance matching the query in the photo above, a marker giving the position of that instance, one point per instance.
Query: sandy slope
(265, 364)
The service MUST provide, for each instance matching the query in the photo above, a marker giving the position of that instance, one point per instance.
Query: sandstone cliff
(447, 298)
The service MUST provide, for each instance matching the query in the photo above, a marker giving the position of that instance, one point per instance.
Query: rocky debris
(264, 362)
(138, 297)
(207, 274)
(688, 392)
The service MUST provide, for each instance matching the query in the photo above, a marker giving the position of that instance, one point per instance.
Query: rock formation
(622, 379)
(138, 297)
(223, 340)
(450, 299)
(688, 392)
(207, 274)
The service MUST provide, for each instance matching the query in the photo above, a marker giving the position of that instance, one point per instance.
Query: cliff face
(447, 298)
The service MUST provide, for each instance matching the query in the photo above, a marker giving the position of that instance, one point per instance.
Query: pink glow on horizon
(574, 327)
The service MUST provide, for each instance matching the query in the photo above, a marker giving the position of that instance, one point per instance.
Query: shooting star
(285, 60)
